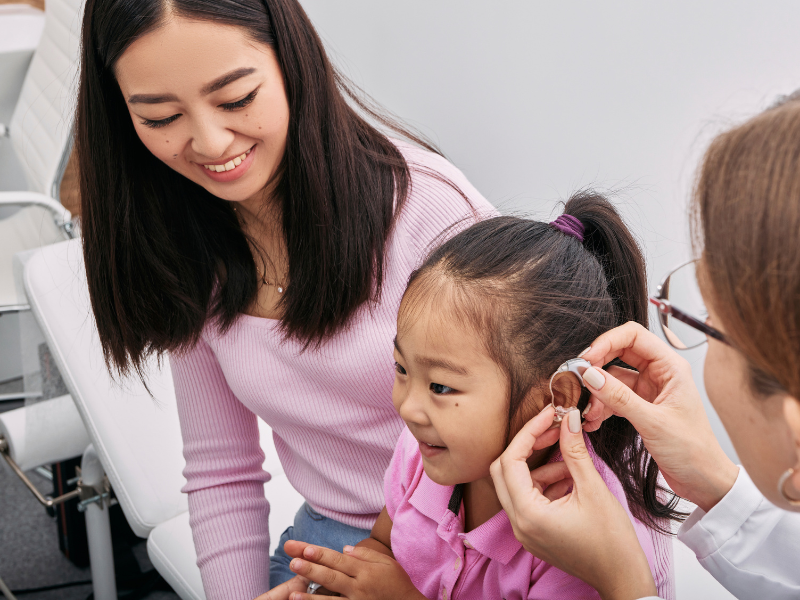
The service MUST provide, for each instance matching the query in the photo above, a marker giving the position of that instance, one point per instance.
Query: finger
(294, 548)
(631, 343)
(559, 489)
(627, 376)
(510, 472)
(550, 473)
(618, 397)
(282, 591)
(331, 559)
(366, 554)
(576, 454)
(335, 581)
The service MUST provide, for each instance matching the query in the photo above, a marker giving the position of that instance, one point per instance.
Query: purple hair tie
(569, 225)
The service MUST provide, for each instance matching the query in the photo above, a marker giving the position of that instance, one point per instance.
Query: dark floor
(29, 554)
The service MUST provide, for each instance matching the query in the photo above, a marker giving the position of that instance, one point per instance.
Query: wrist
(717, 483)
(633, 580)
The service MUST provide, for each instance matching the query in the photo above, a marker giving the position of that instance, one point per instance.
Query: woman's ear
(566, 390)
(791, 411)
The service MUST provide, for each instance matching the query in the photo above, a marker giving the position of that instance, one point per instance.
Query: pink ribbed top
(330, 410)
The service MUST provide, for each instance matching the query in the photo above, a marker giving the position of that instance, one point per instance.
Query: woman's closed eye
(156, 123)
(438, 388)
(399, 368)
(241, 103)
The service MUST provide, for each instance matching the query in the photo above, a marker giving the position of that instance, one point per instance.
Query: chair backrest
(41, 125)
(136, 436)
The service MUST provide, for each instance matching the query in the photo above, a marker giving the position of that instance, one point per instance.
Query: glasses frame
(666, 308)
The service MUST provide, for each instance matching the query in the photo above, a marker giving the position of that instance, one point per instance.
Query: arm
(225, 479)
(381, 535)
(744, 542)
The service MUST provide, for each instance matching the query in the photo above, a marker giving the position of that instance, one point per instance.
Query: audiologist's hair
(163, 255)
(747, 228)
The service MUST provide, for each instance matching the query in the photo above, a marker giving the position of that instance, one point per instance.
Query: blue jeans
(311, 527)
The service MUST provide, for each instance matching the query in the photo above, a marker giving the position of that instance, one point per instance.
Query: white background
(534, 100)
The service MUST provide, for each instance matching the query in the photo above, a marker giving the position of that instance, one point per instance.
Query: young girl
(483, 324)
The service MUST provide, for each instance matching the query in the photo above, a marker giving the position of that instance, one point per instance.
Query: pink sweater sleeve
(225, 479)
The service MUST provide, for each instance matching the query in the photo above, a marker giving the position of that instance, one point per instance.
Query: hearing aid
(576, 366)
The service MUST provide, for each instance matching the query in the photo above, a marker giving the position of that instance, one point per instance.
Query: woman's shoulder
(439, 197)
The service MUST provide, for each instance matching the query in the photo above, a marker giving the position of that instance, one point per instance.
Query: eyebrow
(436, 363)
(215, 85)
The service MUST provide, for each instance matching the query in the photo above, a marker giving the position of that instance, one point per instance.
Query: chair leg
(98, 529)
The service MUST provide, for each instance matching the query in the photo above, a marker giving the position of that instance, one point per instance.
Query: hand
(664, 405)
(359, 573)
(285, 590)
(584, 532)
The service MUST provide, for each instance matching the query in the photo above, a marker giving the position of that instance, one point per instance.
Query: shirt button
(467, 544)
(444, 593)
(457, 565)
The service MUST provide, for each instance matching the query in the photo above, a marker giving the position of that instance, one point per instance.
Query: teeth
(228, 166)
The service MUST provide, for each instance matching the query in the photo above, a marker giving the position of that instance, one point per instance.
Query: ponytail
(610, 241)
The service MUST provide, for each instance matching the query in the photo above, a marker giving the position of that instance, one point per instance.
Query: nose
(412, 406)
(210, 139)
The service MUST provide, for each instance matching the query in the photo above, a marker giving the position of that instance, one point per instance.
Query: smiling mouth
(230, 165)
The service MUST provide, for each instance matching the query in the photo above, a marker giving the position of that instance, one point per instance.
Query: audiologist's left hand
(584, 532)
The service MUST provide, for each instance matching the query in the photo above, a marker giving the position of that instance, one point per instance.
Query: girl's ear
(566, 390)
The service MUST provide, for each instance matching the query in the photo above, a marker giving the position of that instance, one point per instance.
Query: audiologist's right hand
(664, 405)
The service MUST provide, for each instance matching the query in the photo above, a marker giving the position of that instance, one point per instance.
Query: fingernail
(574, 421)
(296, 564)
(594, 378)
(348, 549)
(587, 409)
(584, 352)
(308, 552)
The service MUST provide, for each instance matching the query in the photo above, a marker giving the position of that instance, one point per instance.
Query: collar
(494, 539)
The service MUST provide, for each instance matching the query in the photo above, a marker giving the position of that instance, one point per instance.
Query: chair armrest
(62, 216)
(43, 433)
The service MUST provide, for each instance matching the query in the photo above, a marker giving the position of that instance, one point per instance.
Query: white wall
(533, 100)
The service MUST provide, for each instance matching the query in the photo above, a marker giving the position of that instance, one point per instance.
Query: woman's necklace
(279, 285)
(276, 284)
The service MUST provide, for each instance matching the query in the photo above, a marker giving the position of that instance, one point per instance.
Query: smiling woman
(242, 214)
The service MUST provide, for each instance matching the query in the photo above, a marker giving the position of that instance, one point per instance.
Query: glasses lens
(683, 293)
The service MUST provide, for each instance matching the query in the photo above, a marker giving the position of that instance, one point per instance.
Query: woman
(240, 215)
(747, 205)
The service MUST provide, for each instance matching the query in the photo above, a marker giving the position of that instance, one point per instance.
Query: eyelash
(229, 106)
(399, 368)
(442, 393)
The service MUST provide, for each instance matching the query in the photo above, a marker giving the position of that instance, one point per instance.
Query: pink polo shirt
(444, 562)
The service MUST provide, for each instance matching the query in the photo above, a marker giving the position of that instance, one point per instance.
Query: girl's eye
(399, 368)
(241, 103)
(438, 388)
(159, 123)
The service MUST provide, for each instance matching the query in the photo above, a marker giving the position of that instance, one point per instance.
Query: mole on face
(456, 403)
(174, 156)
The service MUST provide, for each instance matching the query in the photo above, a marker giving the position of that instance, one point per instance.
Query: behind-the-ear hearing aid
(576, 366)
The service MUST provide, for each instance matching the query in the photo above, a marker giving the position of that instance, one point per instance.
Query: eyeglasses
(682, 330)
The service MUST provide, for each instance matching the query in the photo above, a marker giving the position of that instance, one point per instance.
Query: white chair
(39, 134)
(136, 437)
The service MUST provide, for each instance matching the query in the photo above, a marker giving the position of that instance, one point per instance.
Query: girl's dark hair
(163, 255)
(539, 297)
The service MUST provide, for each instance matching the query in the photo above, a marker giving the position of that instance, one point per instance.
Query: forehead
(431, 322)
(184, 55)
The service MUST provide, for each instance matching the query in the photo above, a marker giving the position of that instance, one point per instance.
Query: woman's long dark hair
(163, 255)
(540, 297)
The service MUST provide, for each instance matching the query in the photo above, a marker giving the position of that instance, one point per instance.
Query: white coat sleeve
(747, 543)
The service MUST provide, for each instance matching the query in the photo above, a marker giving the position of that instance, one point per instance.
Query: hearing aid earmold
(576, 366)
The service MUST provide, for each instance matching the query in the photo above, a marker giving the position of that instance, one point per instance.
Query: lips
(430, 450)
(231, 169)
